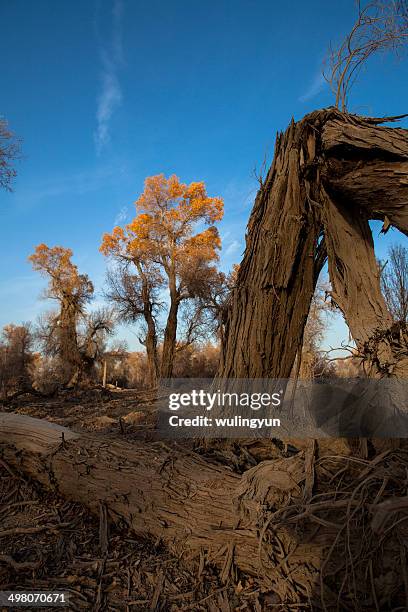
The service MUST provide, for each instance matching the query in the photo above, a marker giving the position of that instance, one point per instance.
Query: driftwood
(331, 173)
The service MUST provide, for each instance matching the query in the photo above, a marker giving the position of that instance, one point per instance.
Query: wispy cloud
(111, 94)
(239, 194)
(315, 87)
(122, 216)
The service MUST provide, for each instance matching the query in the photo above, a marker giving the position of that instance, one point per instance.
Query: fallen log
(306, 527)
(202, 511)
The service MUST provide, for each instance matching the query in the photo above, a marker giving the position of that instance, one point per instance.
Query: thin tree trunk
(104, 373)
(151, 335)
(170, 336)
(151, 347)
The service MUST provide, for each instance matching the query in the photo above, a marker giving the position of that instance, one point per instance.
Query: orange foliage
(162, 231)
(55, 262)
(51, 260)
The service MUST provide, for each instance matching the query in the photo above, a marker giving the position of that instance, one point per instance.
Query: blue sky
(105, 93)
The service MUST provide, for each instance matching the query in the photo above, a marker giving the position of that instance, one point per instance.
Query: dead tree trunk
(283, 257)
(366, 177)
(197, 508)
(355, 279)
(332, 172)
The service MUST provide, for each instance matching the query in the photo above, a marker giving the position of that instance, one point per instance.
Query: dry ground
(358, 507)
(50, 544)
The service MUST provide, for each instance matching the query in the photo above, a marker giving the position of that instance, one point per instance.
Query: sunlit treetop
(64, 279)
(168, 213)
(178, 202)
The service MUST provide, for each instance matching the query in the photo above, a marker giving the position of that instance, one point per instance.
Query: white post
(104, 374)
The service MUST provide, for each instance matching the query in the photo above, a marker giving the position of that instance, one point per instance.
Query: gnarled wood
(356, 290)
(380, 188)
(345, 170)
(277, 276)
(342, 132)
(195, 507)
(354, 272)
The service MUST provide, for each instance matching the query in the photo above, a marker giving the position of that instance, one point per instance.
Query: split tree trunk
(337, 170)
(365, 177)
(355, 279)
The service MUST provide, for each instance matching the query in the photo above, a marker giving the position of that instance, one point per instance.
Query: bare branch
(10, 151)
(379, 27)
(394, 282)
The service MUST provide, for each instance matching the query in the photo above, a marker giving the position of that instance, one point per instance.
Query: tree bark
(282, 260)
(355, 280)
(344, 170)
(200, 510)
(151, 345)
(366, 164)
(366, 177)
(170, 335)
(68, 342)
(381, 189)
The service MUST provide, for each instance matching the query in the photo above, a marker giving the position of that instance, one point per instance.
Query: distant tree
(10, 151)
(197, 361)
(72, 291)
(16, 354)
(115, 364)
(161, 242)
(133, 288)
(93, 333)
(46, 374)
(394, 282)
(313, 361)
(136, 370)
(381, 25)
(211, 300)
